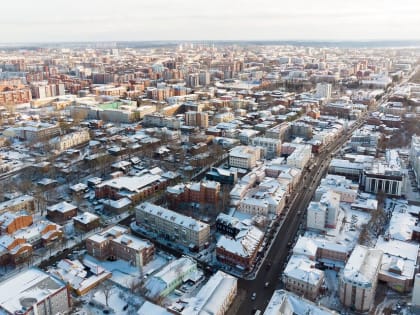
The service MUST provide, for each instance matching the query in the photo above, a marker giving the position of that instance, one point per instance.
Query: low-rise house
(171, 276)
(81, 277)
(301, 277)
(61, 212)
(215, 297)
(86, 222)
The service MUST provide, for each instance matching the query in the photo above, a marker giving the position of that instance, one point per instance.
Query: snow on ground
(120, 302)
(348, 227)
(124, 273)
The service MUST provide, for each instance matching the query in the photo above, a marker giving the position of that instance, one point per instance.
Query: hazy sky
(103, 20)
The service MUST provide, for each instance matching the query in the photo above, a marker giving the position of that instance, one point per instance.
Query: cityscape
(209, 176)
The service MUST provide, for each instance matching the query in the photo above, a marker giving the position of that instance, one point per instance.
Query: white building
(214, 297)
(301, 277)
(300, 156)
(323, 90)
(323, 214)
(415, 157)
(270, 147)
(286, 303)
(359, 278)
(244, 157)
(340, 185)
(268, 198)
(415, 300)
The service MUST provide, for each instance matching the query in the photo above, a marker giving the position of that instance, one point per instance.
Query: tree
(107, 290)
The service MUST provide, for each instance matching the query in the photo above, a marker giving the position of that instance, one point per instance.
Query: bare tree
(107, 290)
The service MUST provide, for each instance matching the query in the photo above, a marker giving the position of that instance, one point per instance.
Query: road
(276, 259)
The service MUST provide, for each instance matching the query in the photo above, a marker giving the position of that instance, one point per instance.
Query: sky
(126, 20)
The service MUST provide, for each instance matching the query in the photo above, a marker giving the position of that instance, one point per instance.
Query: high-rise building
(204, 78)
(324, 90)
(199, 119)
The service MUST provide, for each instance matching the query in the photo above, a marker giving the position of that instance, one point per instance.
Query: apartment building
(174, 226)
(15, 96)
(415, 157)
(197, 119)
(115, 243)
(204, 192)
(322, 215)
(244, 157)
(339, 185)
(70, 140)
(270, 147)
(359, 278)
(300, 157)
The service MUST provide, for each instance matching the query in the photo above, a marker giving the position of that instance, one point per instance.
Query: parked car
(253, 296)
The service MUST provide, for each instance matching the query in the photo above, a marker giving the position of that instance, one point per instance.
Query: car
(253, 296)
(266, 284)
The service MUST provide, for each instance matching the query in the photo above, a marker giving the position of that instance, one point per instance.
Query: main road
(274, 263)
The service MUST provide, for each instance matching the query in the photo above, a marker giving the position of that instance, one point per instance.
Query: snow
(152, 309)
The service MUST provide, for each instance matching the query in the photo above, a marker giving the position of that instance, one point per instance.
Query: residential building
(171, 276)
(323, 90)
(70, 140)
(286, 303)
(359, 278)
(34, 132)
(10, 222)
(269, 198)
(215, 297)
(301, 277)
(135, 188)
(300, 156)
(326, 253)
(115, 243)
(279, 132)
(240, 251)
(61, 212)
(204, 192)
(270, 147)
(173, 226)
(86, 222)
(246, 136)
(197, 119)
(14, 250)
(415, 300)
(80, 277)
(244, 157)
(24, 202)
(415, 157)
(323, 215)
(33, 291)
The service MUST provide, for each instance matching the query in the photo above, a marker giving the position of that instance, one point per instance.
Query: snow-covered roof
(152, 309)
(284, 302)
(172, 216)
(244, 244)
(361, 268)
(62, 207)
(27, 288)
(212, 296)
(302, 269)
(401, 226)
(86, 217)
(133, 184)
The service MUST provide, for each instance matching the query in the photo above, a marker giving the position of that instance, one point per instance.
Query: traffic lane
(279, 252)
(277, 256)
